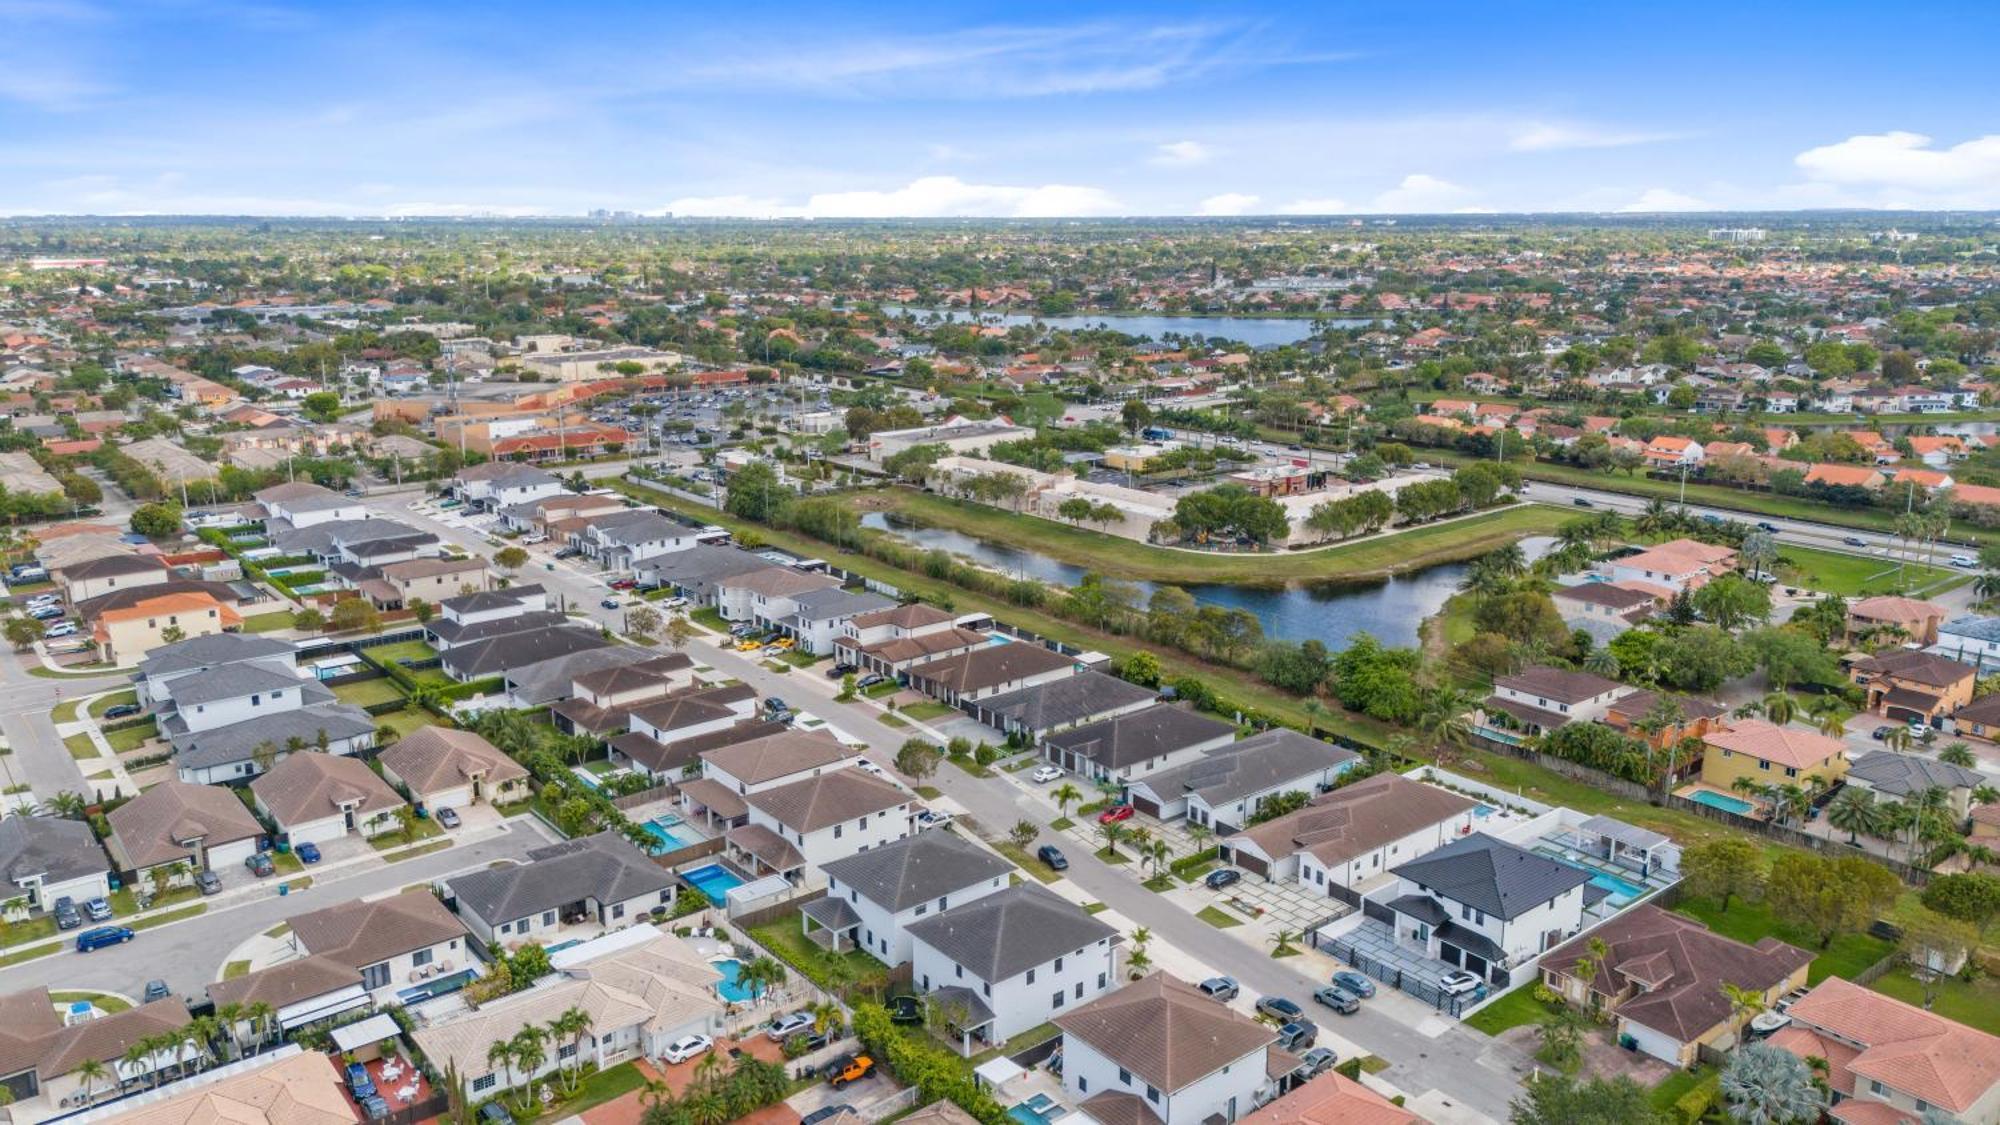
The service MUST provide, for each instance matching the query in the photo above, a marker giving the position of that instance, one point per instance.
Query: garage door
(1254, 864)
(232, 854)
(1146, 805)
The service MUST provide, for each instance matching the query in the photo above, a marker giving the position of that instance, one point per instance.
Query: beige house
(127, 634)
(93, 578)
(302, 1088)
(314, 797)
(434, 580)
(41, 1053)
(452, 768)
(203, 826)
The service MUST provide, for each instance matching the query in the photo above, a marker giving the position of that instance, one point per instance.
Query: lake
(1256, 331)
(1329, 611)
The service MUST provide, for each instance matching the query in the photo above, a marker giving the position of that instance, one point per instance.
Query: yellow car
(748, 646)
(783, 642)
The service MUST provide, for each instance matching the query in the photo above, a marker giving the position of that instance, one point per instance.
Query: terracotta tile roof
(1765, 741)
(1332, 1099)
(301, 1089)
(1917, 1052)
(1895, 609)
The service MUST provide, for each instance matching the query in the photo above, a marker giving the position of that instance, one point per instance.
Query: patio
(1376, 940)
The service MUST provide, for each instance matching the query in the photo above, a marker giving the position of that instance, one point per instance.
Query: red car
(624, 584)
(1114, 814)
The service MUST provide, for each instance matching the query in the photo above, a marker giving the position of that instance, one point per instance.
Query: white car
(1045, 774)
(687, 1047)
(929, 819)
(784, 1027)
(1964, 560)
(866, 766)
(65, 629)
(1458, 982)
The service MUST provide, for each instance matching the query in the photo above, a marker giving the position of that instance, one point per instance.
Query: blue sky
(888, 109)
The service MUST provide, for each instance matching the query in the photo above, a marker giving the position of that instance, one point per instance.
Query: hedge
(1693, 1105)
(933, 1070)
(1189, 862)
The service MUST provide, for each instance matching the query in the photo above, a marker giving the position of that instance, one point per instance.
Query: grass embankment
(105, 703)
(268, 622)
(1365, 561)
(1836, 572)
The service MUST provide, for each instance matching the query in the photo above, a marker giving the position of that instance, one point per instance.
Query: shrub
(1695, 1104)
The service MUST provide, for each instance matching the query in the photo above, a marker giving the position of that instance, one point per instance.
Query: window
(1082, 1084)
(1153, 1094)
(836, 831)
(985, 988)
(958, 971)
(1101, 981)
(548, 919)
(922, 909)
(1031, 976)
(420, 958)
(1875, 1087)
(1059, 964)
(566, 1051)
(256, 701)
(618, 911)
(1124, 1076)
(1057, 1001)
(1079, 990)
(483, 1082)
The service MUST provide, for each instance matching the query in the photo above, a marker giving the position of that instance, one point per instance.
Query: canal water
(1329, 611)
(1257, 332)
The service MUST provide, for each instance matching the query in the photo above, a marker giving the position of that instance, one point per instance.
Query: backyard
(367, 693)
(1749, 921)
(835, 972)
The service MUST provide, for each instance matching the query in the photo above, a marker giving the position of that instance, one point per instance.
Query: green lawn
(1674, 1085)
(409, 719)
(130, 738)
(16, 956)
(1976, 1004)
(1853, 575)
(1026, 862)
(710, 618)
(367, 693)
(1376, 558)
(421, 830)
(420, 849)
(596, 1089)
(104, 1001)
(81, 747)
(235, 969)
(268, 622)
(184, 912)
(1749, 921)
(400, 651)
(125, 900)
(927, 710)
(65, 712)
(105, 703)
(34, 929)
(1215, 917)
(1512, 1009)
(785, 941)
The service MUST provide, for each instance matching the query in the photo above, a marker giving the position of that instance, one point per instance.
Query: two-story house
(989, 670)
(1887, 1061)
(1486, 906)
(1676, 565)
(765, 597)
(1541, 698)
(599, 881)
(1970, 639)
(814, 821)
(385, 939)
(125, 634)
(623, 541)
(819, 616)
(230, 715)
(1914, 686)
(501, 484)
(873, 897)
(1353, 835)
(301, 504)
(1009, 961)
(1159, 1050)
(1226, 787)
(1768, 754)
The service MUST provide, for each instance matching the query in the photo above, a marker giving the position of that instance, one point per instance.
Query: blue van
(102, 936)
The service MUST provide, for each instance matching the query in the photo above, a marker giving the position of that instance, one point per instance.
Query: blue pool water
(713, 881)
(562, 945)
(1484, 811)
(1038, 1110)
(731, 985)
(670, 832)
(1622, 892)
(437, 986)
(1722, 801)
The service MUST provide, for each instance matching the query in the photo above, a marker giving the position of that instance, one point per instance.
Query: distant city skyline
(262, 107)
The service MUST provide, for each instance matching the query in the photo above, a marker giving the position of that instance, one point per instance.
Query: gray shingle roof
(926, 866)
(1904, 774)
(1005, 934)
(605, 867)
(1973, 627)
(234, 743)
(49, 849)
(1492, 875)
(1140, 736)
(1072, 699)
(214, 649)
(233, 682)
(456, 633)
(1270, 758)
(500, 654)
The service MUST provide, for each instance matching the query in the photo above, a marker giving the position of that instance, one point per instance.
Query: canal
(1256, 331)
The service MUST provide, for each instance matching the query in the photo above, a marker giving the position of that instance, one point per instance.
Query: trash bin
(284, 889)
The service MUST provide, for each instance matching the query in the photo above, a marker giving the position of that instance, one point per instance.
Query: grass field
(367, 693)
(1369, 560)
(102, 1001)
(408, 719)
(105, 703)
(1976, 1004)
(131, 738)
(1512, 1009)
(81, 747)
(65, 712)
(268, 622)
(1215, 917)
(1850, 576)
(401, 650)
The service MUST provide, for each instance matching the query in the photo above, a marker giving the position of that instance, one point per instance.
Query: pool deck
(1756, 807)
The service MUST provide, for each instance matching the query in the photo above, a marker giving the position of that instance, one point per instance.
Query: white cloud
(1315, 207)
(1664, 199)
(1182, 154)
(1422, 193)
(1544, 136)
(1228, 203)
(1905, 160)
(929, 197)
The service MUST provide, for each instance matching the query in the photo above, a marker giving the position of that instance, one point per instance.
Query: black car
(1767, 525)
(1052, 855)
(1881, 734)
(825, 1113)
(67, 917)
(838, 671)
(123, 710)
(1581, 502)
(260, 864)
(871, 679)
(1222, 877)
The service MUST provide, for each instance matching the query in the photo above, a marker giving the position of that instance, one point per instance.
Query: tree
(917, 759)
(1553, 1099)
(1722, 869)
(1076, 509)
(1732, 601)
(511, 558)
(679, 631)
(22, 633)
(1855, 812)
(1958, 754)
(642, 621)
(422, 610)
(1766, 1085)
(1971, 896)
(308, 620)
(1110, 831)
(755, 493)
(322, 406)
(354, 614)
(90, 1073)
(1935, 946)
(1829, 896)
(1136, 415)
(1064, 796)
(1023, 833)
(1561, 1032)
(1699, 659)
(158, 520)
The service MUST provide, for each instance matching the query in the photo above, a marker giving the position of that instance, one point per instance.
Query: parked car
(1053, 857)
(65, 629)
(1224, 989)
(849, 1069)
(1279, 1008)
(260, 864)
(609, 603)
(870, 680)
(826, 1113)
(209, 883)
(1881, 734)
(1297, 1035)
(687, 1047)
(1222, 877)
(675, 603)
(932, 819)
(868, 767)
(1115, 813)
(838, 671)
(101, 937)
(1337, 998)
(123, 710)
(448, 817)
(624, 583)
(1354, 982)
(98, 909)
(1045, 774)
(46, 612)
(775, 705)
(783, 1027)
(307, 852)
(156, 990)
(358, 1082)
(66, 914)
(1458, 982)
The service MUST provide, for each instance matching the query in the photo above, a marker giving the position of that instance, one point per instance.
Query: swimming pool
(1484, 811)
(713, 881)
(671, 832)
(437, 986)
(731, 985)
(1722, 801)
(1038, 1110)
(1621, 891)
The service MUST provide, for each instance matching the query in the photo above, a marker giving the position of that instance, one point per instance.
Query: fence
(770, 910)
(645, 796)
(1392, 976)
(1908, 872)
(700, 850)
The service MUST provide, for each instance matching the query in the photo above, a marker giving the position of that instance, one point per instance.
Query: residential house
(1060, 704)
(540, 516)
(232, 721)
(386, 939)
(692, 712)
(104, 574)
(450, 769)
(890, 641)
(817, 820)
(300, 992)
(432, 580)
(198, 827)
(624, 541)
(600, 700)
(1160, 1050)
(1897, 617)
(765, 597)
(1970, 639)
(125, 635)
(43, 859)
(501, 484)
(301, 504)
(1663, 978)
(1125, 747)
(1542, 698)
(1768, 754)
(1354, 834)
(1888, 774)
(1333, 1099)
(1603, 608)
(1009, 961)
(1487, 906)
(988, 671)
(1677, 716)
(819, 616)
(1670, 452)
(1674, 566)
(42, 1054)
(315, 798)
(1914, 686)
(285, 1086)
(1889, 1062)
(600, 881)
(1225, 789)
(1846, 476)
(873, 897)
(505, 654)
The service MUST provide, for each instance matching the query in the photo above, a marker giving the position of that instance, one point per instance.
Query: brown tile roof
(284, 984)
(432, 758)
(309, 786)
(1357, 818)
(152, 828)
(1559, 684)
(302, 1089)
(1917, 667)
(1920, 1053)
(1894, 609)
(990, 666)
(773, 850)
(361, 934)
(1332, 1099)
(714, 796)
(1790, 746)
(916, 615)
(777, 755)
(1680, 966)
(831, 798)
(1164, 1030)
(901, 650)
(59, 1051)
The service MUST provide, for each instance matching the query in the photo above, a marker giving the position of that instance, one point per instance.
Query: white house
(1486, 906)
(1126, 748)
(1160, 1050)
(813, 822)
(1009, 961)
(314, 798)
(500, 484)
(1542, 698)
(623, 540)
(769, 595)
(873, 897)
(387, 939)
(601, 880)
(1354, 834)
(1227, 786)
(302, 504)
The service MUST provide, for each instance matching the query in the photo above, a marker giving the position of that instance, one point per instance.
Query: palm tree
(1765, 1085)
(1444, 722)
(1282, 941)
(229, 1016)
(1743, 1002)
(137, 1060)
(91, 1072)
(530, 1049)
(571, 1025)
(500, 1057)
(1780, 708)
(262, 1017)
(1854, 811)
(1065, 796)
(200, 1033)
(1958, 754)
(1898, 739)
(1111, 832)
